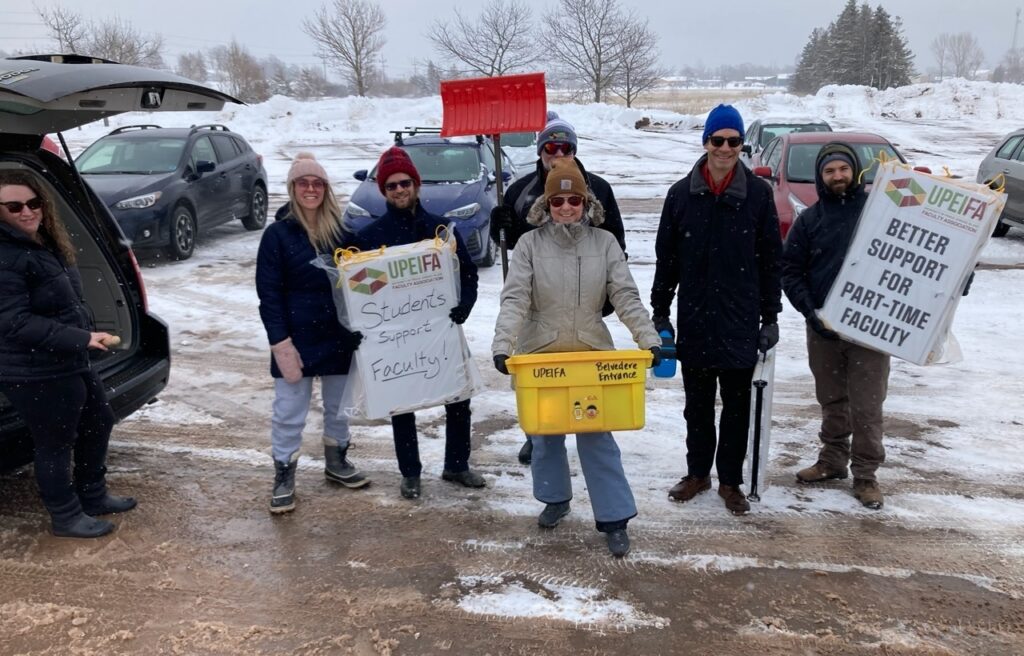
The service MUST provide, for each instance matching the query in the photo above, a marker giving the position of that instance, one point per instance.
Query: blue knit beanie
(558, 130)
(721, 118)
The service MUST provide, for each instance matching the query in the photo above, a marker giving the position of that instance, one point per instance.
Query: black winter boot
(339, 469)
(68, 521)
(526, 452)
(552, 514)
(283, 498)
(618, 542)
(96, 500)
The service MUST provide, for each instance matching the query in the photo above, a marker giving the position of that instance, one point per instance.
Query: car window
(226, 147)
(774, 156)
(202, 149)
(800, 162)
(869, 154)
(132, 156)
(767, 152)
(752, 132)
(444, 162)
(1007, 148)
(778, 129)
(519, 139)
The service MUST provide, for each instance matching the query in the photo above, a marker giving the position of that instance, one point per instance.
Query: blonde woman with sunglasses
(46, 334)
(559, 278)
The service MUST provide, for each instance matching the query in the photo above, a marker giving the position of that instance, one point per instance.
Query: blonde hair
(324, 228)
(52, 232)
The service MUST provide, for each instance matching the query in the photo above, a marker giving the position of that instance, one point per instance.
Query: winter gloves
(662, 324)
(351, 341)
(655, 356)
(820, 328)
(499, 363)
(502, 218)
(768, 338)
(288, 361)
(459, 314)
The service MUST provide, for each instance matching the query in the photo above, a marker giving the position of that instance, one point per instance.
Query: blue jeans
(601, 461)
(291, 405)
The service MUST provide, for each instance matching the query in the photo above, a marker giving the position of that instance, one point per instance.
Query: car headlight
(354, 210)
(797, 205)
(463, 212)
(139, 202)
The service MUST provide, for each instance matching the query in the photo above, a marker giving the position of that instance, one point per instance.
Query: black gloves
(967, 287)
(655, 356)
(459, 314)
(502, 216)
(820, 328)
(662, 324)
(499, 363)
(351, 341)
(768, 338)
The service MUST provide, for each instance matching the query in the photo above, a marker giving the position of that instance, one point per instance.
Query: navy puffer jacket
(296, 301)
(45, 325)
(722, 253)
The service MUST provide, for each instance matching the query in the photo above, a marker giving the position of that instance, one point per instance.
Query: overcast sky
(708, 32)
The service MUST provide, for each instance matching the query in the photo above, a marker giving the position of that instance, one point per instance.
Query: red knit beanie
(395, 160)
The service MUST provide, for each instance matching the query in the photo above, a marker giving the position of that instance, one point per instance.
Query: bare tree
(350, 35)
(501, 40)
(67, 28)
(192, 65)
(119, 41)
(583, 37)
(311, 83)
(941, 46)
(638, 61)
(246, 80)
(965, 55)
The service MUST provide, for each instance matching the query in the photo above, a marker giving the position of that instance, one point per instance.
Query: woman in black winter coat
(306, 339)
(46, 332)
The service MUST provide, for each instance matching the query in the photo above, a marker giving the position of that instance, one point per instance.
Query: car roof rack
(217, 127)
(126, 128)
(412, 131)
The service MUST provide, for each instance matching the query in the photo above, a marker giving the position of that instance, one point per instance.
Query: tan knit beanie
(306, 164)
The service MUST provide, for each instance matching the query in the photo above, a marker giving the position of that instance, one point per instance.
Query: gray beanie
(832, 157)
(557, 130)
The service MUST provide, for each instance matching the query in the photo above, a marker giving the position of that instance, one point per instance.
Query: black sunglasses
(15, 206)
(558, 201)
(734, 142)
(404, 184)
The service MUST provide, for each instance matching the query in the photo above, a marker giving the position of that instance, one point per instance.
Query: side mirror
(748, 149)
(360, 175)
(205, 166)
(763, 171)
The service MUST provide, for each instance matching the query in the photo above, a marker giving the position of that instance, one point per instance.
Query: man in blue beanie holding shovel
(719, 244)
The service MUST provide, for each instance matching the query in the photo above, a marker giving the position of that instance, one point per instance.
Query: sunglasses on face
(404, 184)
(15, 206)
(558, 201)
(554, 148)
(734, 142)
(309, 184)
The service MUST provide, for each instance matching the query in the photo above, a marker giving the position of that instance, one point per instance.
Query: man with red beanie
(406, 222)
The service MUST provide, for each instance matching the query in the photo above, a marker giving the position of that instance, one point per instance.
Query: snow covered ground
(954, 431)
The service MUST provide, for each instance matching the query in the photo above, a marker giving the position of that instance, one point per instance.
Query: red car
(787, 163)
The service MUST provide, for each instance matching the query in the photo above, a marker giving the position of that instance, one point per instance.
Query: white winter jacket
(558, 278)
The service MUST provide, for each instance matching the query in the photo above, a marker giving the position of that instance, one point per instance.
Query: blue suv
(459, 184)
(163, 185)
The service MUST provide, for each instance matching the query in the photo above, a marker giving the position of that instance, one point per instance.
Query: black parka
(722, 253)
(45, 324)
(820, 236)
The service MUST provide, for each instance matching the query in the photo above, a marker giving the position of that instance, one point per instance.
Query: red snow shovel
(493, 105)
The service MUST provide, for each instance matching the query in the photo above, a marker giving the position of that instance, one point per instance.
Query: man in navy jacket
(406, 222)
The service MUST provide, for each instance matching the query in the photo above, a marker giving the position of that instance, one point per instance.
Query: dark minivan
(50, 94)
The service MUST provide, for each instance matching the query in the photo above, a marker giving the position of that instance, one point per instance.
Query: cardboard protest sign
(412, 355)
(917, 241)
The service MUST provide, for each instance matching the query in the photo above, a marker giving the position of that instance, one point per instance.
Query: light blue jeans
(291, 405)
(601, 461)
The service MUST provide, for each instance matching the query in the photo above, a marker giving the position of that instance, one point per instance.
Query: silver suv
(1007, 160)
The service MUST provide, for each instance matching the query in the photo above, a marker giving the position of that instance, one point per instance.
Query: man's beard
(839, 187)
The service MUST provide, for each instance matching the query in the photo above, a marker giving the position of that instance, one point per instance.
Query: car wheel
(1001, 229)
(183, 233)
(491, 255)
(257, 209)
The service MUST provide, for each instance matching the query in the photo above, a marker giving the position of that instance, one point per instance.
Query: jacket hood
(539, 215)
(828, 149)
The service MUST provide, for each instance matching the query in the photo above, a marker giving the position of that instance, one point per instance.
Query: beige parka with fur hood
(558, 277)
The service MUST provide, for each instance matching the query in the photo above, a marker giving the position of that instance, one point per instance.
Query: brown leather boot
(868, 493)
(735, 500)
(689, 487)
(819, 472)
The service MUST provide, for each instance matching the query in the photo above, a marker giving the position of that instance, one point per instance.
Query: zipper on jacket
(579, 281)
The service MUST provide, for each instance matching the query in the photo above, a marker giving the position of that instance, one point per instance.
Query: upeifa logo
(905, 192)
(368, 281)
